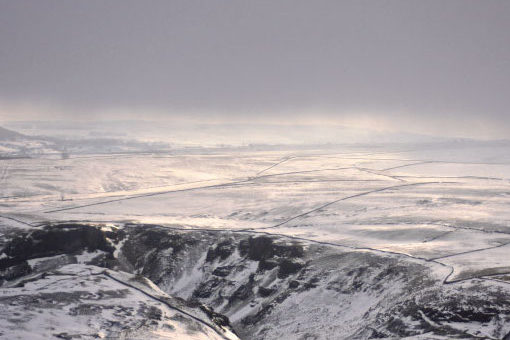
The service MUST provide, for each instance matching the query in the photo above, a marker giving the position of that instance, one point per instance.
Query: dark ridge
(54, 240)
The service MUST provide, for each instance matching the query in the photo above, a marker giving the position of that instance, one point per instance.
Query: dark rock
(288, 251)
(222, 250)
(154, 251)
(265, 292)
(263, 249)
(457, 314)
(116, 235)
(151, 313)
(160, 239)
(219, 319)
(259, 316)
(399, 328)
(54, 240)
(85, 309)
(15, 271)
(243, 293)
(222, 271)
(267, 265)
(205, 289)
(257, 248)
(293, 284)
(375, 334)
(282, 297)
(309, 336)
(103, 260)
(288, 267)
(312, 283)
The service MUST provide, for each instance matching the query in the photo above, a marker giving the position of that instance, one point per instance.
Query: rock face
(56, 240)
(79, 301)
(265, 287)
(56, 285)
(71, 239)
(272, 287)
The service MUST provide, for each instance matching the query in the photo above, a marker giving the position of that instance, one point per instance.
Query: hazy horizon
(435, 68)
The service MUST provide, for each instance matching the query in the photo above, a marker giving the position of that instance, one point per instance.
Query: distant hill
(9, 134)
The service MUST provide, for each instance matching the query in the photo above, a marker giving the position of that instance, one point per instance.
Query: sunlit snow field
(444, 204)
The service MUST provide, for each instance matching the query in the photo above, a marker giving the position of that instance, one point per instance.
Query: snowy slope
(55, 285)
(427, 224)
(73, 280)
(86, 302)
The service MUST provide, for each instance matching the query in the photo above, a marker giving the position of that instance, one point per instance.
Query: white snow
(438, 203)
(58, 298)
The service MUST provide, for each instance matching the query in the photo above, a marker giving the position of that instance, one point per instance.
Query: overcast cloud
(422, 66)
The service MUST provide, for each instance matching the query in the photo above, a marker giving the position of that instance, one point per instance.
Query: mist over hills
(214, 134)
(128, 136)
(6, 134)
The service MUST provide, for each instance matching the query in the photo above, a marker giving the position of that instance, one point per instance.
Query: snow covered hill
(55, 285)
(392, 242)
(70, 280)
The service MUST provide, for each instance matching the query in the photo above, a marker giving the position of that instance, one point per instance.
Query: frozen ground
(71, 281)
(291, 242)
(77, 301)
(447, 203)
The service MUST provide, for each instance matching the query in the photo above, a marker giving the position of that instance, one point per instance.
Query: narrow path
(373, 172)
(438, 236)
(16, 220)
(205, 323)
(343, 199)
(274, 165)
(470, 251)
(148, 195)
(406, 165)
(455, 227)
(323, 181)
(425, 160)
(301, 172)
(227, 184)
(455, 177)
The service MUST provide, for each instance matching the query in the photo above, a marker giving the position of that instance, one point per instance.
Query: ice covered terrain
(87, 302)
(357, 241)
(55, 285)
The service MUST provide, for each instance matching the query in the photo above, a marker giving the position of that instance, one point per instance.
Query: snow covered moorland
(362, 241)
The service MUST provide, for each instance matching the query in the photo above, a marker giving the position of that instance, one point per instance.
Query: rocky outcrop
(270, 287)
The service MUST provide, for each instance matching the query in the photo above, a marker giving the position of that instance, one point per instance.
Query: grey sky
(420, 65)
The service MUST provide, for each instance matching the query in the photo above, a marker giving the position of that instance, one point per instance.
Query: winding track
(274, 165)
(234, 182)
(406, 165)
(17, 220)
(469, 251)
(125, 198)
(373, 172)
(105, 273)
(344, 199)
(163, 301)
